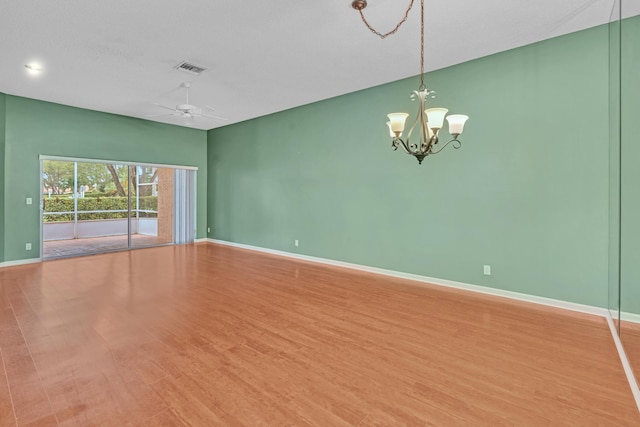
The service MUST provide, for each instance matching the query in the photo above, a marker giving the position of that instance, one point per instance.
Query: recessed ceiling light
(33, 68)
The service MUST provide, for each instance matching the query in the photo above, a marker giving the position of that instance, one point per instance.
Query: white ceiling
(262, 56)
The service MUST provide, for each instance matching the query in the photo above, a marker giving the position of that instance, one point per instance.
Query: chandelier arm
(405, 146)
(456, 144)
(418, 147)
(430, 144)
(395, 30)
(426, 141)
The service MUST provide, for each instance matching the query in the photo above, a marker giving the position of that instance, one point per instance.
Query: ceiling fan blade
(165, 107)
(160, 115)
(214, 117)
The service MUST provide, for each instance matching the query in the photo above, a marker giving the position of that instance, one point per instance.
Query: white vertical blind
(184, 205)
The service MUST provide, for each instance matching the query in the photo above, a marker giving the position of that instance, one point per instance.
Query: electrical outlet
(208, 229)
(487, 270)
(28, 246)
(29, 201)
(296, 243)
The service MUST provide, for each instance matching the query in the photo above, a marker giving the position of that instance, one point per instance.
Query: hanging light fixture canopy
(429, 120)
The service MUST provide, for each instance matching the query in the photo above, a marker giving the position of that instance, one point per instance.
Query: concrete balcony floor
(86, 246)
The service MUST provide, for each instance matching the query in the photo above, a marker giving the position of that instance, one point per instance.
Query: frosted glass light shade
(397, 121)
(435, 117)
(391, 134)
(456, 123)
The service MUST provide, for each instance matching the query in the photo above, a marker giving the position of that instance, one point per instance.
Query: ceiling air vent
(190, 68)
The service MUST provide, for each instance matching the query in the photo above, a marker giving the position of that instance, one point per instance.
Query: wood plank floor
(209, 335)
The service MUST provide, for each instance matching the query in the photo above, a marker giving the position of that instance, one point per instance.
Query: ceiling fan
(187, 111)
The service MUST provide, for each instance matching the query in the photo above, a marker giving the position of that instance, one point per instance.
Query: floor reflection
(630, 336)
(75, 247)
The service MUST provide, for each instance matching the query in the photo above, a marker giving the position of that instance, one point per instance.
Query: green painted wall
(528, 193)
(2, 168)
(630, 249)
(36, 127)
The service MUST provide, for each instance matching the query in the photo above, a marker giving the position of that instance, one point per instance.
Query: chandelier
(429, 121)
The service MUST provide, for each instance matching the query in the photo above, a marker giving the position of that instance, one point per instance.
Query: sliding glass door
(152, 214)
(92, 206)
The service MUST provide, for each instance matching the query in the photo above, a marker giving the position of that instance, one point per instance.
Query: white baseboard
(20, 262)
(635, 390)
(598, 311)
(204, 239)
(625, 316)
(630, 317)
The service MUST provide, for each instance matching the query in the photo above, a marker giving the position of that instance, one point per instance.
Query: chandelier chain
(395, 30)
(422, 86)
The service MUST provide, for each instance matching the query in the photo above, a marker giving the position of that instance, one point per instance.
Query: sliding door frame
(120, 162)
(43, 157)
